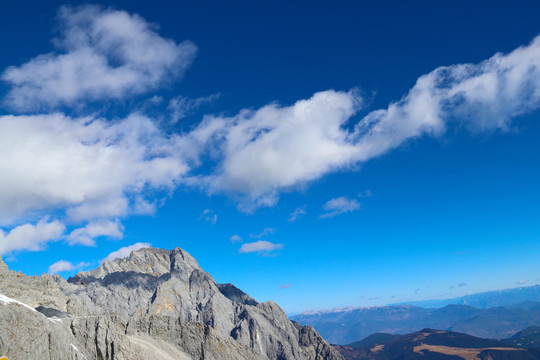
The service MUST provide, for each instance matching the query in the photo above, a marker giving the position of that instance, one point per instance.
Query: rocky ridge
(153, 304)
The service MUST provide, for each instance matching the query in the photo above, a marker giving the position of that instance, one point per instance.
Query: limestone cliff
(154, 304)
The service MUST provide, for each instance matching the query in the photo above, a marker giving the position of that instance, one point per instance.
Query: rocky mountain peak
(153, 302)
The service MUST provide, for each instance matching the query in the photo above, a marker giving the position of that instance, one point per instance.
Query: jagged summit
(156, 301)
(151, 261)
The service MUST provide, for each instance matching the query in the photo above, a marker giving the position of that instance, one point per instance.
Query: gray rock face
(27, 334)
(159, 304)
(34, 291)
(103, 337)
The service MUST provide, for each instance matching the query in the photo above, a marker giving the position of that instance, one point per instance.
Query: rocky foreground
(155, 304)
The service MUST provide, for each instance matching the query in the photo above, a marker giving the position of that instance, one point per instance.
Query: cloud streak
(296, 214)
(262, 247)
(263, 152)
(266, 231)
(339, 206)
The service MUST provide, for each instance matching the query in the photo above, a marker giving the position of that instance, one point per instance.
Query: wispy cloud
(182, 106)
(209, 216)
(235, 239)
(457, 286)
(267, 231)
(262, 247)
(297, 213)
(339, 206)
(365, 194)
(521, 282)
(285, 286)
(125, 251)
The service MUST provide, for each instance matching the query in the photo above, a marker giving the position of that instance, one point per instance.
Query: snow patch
(7, 300)
(77, 350)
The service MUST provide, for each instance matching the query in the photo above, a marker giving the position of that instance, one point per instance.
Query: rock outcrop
(154, 304)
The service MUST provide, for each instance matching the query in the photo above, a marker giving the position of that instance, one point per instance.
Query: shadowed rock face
(155, 304)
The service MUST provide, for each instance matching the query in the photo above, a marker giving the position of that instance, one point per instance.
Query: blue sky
(318, 155)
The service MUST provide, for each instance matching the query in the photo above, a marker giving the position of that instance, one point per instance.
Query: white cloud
(63, 265)
(209, 216)
(285, 286)
(262, 247)
(339, 206)
(88, 169)
(521, 282)
(267, 231)
(235, 238)
(102, 54)
(263, 152)
(125, 251)
(31, 237)
(298, 212)
(86, 235)
(90, 172)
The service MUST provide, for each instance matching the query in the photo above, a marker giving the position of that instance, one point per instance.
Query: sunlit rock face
(153, 304)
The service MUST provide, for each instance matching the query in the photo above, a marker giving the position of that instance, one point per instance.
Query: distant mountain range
(485, 300)
(346, 326)
(441, 345)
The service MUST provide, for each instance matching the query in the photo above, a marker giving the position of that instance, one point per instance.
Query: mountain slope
(154, 304)
(374, 339)
(434, 345)
(527, 338)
